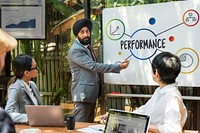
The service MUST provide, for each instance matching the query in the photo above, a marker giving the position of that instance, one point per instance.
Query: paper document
(99, 128)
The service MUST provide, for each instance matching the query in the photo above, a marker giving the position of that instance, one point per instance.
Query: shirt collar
(27, 85)
(168, 87)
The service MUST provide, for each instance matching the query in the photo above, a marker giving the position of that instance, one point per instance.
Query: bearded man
(85, 72)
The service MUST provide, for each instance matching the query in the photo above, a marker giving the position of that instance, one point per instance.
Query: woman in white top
(166, 108)
(22, 90)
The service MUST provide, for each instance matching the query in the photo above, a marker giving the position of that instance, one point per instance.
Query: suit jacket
(18, 97)
(85, 77)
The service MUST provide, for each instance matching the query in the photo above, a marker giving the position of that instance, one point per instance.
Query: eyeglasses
(36, 67)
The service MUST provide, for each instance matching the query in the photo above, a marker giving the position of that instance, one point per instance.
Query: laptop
(120, 121)
(45, 115)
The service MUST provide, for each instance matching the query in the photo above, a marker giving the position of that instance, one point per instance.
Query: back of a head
(6, 123)
(168, 66)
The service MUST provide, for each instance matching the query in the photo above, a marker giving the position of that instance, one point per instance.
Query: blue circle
(152, 21)
(132, 53)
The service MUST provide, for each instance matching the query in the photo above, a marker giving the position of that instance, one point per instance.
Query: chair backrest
(68, 106)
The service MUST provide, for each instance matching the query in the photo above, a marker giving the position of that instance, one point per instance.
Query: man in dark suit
(7, 43)
(85, 72)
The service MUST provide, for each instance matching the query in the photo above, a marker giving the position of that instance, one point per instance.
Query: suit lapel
(26, 91)
(36, 94)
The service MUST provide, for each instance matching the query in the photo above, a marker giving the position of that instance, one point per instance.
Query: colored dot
(120, 53)
(171, 38)
(152, 21)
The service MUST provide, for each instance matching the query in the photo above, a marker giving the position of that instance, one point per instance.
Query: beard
(85, 41)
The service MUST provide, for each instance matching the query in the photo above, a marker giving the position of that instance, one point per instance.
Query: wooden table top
(64, 129)
(55, 129)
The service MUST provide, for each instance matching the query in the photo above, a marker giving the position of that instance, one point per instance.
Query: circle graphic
(146, 36)
(115, 29)
(171, 38)
(152, 21)
(189, 60)
(190, 17)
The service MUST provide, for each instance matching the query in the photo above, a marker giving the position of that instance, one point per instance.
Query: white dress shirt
(166, 109)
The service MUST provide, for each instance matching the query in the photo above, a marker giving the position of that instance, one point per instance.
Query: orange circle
(171, 38)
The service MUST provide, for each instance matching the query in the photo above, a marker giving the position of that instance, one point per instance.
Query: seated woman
(166, 108)
(22, 90)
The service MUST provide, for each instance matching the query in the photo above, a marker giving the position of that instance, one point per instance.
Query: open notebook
(45, 115)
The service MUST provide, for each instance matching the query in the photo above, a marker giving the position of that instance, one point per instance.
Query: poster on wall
(25, 19)
(139, 33)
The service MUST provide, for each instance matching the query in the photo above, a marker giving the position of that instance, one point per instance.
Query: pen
(128, 57)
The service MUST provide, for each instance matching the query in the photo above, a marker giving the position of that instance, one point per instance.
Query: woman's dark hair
(21, 63)
(168, 66)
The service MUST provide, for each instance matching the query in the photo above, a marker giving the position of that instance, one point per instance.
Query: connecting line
(127, 34)
(169, 29)
(150, 61)
(159, 50)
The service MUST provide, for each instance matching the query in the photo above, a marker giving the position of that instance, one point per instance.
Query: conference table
(78, 125)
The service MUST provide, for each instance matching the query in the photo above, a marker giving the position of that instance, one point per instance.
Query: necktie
(88, 47)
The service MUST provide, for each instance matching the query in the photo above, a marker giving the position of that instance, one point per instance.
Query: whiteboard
(138, 33)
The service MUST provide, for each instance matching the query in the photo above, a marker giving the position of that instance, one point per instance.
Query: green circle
(107, 27)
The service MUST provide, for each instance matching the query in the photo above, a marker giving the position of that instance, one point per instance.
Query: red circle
(171, 38)
(186, 13)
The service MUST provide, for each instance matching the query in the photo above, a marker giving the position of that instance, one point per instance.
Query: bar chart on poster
(23, 19)
(139, 33)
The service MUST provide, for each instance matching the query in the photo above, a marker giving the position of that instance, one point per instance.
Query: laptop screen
(126, 122)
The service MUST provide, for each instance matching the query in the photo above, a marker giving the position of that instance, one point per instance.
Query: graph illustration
(23, 21)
